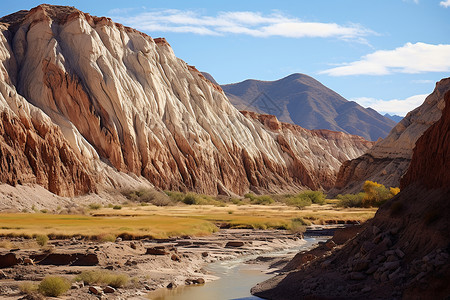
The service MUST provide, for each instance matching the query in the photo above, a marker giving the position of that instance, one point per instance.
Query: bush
(262, 200)
(53, 286)
(350, 200)
(95, 206)
(298, 201)
(316, 197)
(149, 196)
(190, 199)
(103, 277)
(117, 207)
(41, 239)
(250, 196)
(298, 225)
(106, 237)
(375, 194)
(28, 288)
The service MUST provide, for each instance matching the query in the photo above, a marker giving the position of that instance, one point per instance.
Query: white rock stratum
(83, 99)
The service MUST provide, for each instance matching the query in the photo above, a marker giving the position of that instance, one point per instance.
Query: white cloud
(411, 58)
(445, 3)
(394, 106)
(249, 23)
(422, 81)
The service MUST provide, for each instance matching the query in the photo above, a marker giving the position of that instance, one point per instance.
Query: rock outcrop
(388, 160)
(84, 94)
(402, 253)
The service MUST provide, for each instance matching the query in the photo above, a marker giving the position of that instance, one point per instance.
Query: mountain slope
(403, 252)
(122, 102)
(389, 159)
(302, 100)
(394, 118)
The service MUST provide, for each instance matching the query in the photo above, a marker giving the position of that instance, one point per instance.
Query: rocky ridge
(389, 159)
(103, 100)
(402, 253)
(302, 100)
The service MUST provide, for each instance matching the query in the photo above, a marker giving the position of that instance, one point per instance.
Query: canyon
(389, 159)
(89, 104)
(402, 252)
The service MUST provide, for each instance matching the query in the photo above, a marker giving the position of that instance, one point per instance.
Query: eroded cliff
(402, 253)
(116, 97)
(387, 161)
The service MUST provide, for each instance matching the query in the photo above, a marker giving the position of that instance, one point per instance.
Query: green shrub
(95, 206)
(117, 207)
(298, 201)
(262, 200)
(316, 197)
(190, 199)
(350, 200)
(53, 286)
(250, 196)
(113, 279)
(298, 225)
(42, 239)
(236, 201)
(149, 196)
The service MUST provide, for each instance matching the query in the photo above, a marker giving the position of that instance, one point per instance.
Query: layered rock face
(111, 96)
(403, 252)
(389, 159)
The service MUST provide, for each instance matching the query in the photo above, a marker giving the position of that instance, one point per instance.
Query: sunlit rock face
(84, 94)
(387, 161)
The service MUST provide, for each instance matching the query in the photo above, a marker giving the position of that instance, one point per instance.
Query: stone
(198, 281)
(118, 239)
(171, 285)
(399, 253)
(109, 290)
(3, 275)
(330, 244)
(205, 254)
(372, 269)
(366, 289)
(361, 266)
(234, 244)
(28, 261)
(391, 265)
(357, 276)
(156, 251)
(391, 258)
(96, 290)
(367, 246)
(375, 230)
(8, 260)
(175, 257)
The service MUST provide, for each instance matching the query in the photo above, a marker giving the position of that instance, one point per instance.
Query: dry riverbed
(149, 264)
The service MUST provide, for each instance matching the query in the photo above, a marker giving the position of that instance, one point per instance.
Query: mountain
(403, 252)
(89, 104)
(389, 159)
(394, 118)
(302, 100)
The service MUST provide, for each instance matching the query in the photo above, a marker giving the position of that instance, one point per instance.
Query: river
(236, 277)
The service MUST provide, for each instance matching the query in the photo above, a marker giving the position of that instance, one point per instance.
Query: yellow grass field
(162, 222)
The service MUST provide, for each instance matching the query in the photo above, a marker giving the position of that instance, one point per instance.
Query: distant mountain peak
(304, 101)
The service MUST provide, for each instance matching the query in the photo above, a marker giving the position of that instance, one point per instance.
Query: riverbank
(148, 264)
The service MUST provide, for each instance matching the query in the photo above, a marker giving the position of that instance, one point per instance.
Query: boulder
(156, 251)
(234, 244)
(96, 290)
(8, 260)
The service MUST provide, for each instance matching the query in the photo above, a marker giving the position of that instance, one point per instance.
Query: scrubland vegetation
(155, 214)
(373, 195)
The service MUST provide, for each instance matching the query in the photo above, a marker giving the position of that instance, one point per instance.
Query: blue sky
(386, 54)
